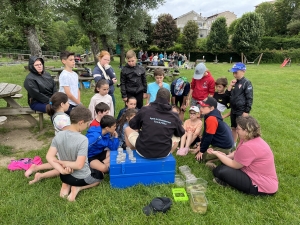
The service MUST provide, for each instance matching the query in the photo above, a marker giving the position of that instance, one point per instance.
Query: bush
(280, 43)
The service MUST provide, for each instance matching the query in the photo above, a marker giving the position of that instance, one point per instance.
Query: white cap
(199, 71)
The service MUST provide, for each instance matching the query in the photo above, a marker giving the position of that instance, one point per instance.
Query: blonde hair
(102, 53)
(130, 54)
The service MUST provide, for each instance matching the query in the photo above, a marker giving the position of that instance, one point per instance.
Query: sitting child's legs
(100, 162)
(35, 168)
(130, 137)
(40, 176)
(77, 185)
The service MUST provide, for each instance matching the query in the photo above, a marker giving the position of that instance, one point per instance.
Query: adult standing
(251, 168)
(104, 71)
(39, 84)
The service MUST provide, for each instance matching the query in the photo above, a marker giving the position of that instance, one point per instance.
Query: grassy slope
(275, 107)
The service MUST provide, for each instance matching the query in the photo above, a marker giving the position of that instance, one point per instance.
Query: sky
(207, 8)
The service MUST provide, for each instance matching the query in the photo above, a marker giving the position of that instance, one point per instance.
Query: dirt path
(19, 137)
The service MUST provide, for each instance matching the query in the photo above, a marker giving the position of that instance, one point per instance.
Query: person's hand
(232, 83)
(145, 95)
(68, 170)
(183, 108)
(210, 151)
(106, 66)
(245, 114)
(114, 80)
(160, 84)
(115, 134)
(199, 156)
(124, 99)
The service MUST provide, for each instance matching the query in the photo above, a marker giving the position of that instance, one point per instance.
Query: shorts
(179, 99)
(233, 118)
(175, 140)
(94, 177)
(101, 156)
(133, 137)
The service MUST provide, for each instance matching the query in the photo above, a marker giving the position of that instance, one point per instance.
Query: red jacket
(203, 87)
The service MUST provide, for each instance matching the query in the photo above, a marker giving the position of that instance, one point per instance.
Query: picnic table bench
(170, 72)
(7, 91)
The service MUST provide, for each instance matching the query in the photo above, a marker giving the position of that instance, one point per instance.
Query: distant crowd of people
(154, 130)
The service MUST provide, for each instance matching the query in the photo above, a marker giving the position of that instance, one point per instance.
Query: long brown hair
(55, 102)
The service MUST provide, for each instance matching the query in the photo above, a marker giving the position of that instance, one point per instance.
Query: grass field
(275, 107)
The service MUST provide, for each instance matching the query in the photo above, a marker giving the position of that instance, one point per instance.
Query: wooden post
(242, 57)
(259, 58)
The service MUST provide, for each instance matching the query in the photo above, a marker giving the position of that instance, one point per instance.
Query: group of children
(81, 161)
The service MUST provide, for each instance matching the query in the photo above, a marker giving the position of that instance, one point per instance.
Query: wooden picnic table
(169, 71)
(13, 108)
(82, 64)
(81, 79)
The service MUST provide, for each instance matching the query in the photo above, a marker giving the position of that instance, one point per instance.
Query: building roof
(187, 14)
(215, 15)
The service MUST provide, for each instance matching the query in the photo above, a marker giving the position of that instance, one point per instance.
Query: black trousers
(237, 179)
(139, 99)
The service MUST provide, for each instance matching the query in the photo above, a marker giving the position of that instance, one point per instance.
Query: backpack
(24, 164)
(179, 86)
(87, 72)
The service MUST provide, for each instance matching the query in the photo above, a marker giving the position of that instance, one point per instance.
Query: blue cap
(238, 66)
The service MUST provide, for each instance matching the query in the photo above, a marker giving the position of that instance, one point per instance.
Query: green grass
(275, 107)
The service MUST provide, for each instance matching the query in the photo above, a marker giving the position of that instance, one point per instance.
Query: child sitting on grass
(56, 109)
(101, 110)
(72, 148)
(122, 123)
(101, 138)
(192, 129)
(130, 104)
(101, 95)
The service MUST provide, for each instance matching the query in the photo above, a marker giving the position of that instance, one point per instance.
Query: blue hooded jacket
(98, 142)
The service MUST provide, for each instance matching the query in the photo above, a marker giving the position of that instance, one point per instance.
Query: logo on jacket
(204, 84)
(240, 86)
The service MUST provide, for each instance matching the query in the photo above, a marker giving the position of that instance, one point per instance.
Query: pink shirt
(188, 126)
(257, 158)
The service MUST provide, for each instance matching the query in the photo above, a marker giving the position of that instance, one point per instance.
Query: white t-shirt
(69, 79)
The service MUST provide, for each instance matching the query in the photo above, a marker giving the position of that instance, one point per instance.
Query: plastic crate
(143, 171)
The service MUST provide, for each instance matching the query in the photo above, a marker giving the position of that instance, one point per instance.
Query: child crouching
(72, 148)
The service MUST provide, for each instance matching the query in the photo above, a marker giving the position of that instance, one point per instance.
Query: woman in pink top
(251, 168)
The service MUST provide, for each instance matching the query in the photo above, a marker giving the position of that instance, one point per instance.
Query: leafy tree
(248, 33)
(268, 13)
(231, 27)
(284, 10)
(165, 32)
(217, 39)
(28, 15)
(190, 36)
(131, 22)
(294, 26)
(95, 17)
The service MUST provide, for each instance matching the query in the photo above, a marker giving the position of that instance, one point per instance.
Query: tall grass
(275, 107)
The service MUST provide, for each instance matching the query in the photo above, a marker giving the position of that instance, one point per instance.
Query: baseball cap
(238, 66)
(159, 204)
(194, 108)
(199, 71)
(210, 101)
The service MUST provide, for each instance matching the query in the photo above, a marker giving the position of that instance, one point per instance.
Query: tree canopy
(165, 31)
(190, 36)
(217, 39)
(248, 33)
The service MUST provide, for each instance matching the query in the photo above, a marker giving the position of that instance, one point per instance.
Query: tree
(190, 36)
(165, 32)
(231, 27)
(248, 33)
(217, 39)
(131, 21)
(284, 10)
(268, 13)
(28, 15)
(95, 17)
(294, 26)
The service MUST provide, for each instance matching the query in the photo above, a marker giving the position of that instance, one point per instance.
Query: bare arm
(70, 96)
(76, 165)
(225, 159)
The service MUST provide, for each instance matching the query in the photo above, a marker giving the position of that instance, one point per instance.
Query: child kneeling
(72, 148)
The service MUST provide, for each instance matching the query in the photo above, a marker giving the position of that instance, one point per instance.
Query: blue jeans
(38, 106)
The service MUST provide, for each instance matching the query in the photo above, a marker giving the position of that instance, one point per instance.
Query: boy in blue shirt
(153, 88)
(101, 138)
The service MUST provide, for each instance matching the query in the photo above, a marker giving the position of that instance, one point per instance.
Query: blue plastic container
(86, 84)
(144, 171)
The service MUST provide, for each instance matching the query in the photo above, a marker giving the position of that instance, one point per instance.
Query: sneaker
(219, 182)
(210, 165)
(182, 151)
